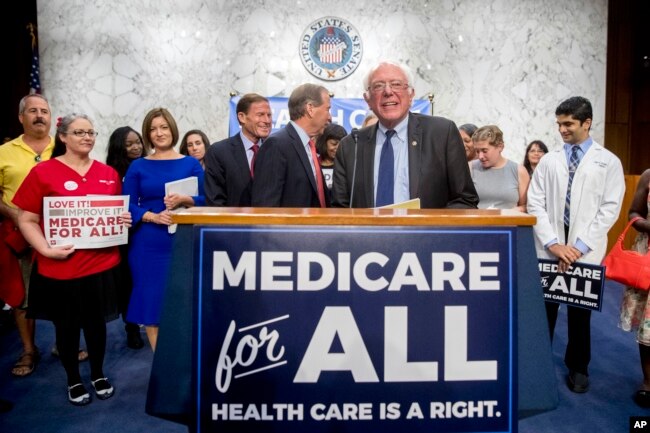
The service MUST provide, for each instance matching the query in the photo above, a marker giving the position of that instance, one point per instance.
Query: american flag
(34, 73)
(331, 48)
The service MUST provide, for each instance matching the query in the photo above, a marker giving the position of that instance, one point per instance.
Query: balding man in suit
(229, 163)
(405, 155)
(287, 170)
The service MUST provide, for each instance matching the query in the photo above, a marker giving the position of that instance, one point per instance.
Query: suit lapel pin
(414, 143)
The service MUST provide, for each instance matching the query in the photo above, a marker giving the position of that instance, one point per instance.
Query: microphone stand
(355, 137)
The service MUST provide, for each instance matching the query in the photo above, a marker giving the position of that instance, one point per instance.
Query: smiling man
(405, 155)
(576, 194)
(229, 163)
(17, 158)
(287, 169)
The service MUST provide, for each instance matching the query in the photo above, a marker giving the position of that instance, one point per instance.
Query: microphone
(355, 137)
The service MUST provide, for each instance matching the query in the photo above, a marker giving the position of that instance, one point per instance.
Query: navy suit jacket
(438, 171)
(227, 175)
(283, 174)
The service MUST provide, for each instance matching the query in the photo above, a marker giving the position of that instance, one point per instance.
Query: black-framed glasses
(395, 85)
(81, 133)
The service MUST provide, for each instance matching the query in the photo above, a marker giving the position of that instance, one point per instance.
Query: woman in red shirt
(75, 289)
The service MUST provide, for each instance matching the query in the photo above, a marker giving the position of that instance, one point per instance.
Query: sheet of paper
(408, 204)
(187, 186)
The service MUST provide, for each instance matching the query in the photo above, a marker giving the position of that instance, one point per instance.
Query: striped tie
(574, 160)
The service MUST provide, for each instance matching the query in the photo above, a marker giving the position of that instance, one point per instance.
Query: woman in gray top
(499, 182)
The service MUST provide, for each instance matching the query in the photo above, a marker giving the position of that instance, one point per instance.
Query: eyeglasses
(396, 86)
(81, 133)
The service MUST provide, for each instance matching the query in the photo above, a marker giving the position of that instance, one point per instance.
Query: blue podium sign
(354, 329)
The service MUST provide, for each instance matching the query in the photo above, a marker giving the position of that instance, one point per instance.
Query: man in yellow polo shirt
(17, 157)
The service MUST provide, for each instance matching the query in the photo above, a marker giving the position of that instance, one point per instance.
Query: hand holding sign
(567, 255)
(58, 253)
(126, 219)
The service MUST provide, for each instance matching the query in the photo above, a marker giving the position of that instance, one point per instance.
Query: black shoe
(103, 389)
(642, 398)
(78, 395)
(577, 382)
(133, 338)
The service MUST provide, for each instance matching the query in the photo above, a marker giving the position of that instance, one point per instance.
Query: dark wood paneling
(17, 56)
(617, 228)
(627, 117)
(617, 137)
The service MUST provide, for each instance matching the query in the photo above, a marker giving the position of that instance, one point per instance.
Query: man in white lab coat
(574, 229)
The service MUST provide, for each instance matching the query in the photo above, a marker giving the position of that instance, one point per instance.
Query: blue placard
(354, 329)
(580, 286)
(347, 112)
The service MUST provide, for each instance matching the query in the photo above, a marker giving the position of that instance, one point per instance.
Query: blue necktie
(574, 160)
(386, 181)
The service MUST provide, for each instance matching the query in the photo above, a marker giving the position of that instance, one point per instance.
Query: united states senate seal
(331, 48)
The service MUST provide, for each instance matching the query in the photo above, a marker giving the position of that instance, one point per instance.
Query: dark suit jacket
(283, 175)
(227, 175)
(438, 170)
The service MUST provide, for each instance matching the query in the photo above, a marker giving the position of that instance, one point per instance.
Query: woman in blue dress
(150, 245)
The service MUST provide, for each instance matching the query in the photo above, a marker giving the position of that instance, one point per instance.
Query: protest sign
(580, 286)
(320, 329)
(85, 222)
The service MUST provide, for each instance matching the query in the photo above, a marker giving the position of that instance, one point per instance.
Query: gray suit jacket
(438, 171)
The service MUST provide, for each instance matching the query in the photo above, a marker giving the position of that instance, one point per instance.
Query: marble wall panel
(507, 62)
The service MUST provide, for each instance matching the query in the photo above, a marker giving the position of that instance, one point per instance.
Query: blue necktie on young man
(574, 160)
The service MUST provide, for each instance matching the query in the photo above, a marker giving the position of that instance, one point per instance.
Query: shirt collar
(301, 133)
(247, 143)
(584, 146)
(400, 129)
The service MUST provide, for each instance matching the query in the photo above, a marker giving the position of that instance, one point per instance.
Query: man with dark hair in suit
(405, 155)
(576, 193)
(229, 163)
(287, 170)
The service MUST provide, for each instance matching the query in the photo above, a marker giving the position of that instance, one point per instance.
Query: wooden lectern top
(351, 217)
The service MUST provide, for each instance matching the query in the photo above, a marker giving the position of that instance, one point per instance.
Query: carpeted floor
(40, 403)
(40, 400)
(615, 374)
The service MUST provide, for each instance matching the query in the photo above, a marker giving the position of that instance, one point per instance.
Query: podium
(351, 308)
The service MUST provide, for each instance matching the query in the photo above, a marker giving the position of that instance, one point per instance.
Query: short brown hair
(148, 120)
(490, 133)
(303, 95)
(244, 104)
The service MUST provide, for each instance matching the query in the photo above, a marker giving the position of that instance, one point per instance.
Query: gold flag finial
(32, 33)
